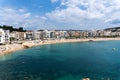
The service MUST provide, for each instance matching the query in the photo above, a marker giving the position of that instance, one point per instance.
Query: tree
(20, 29)
(11, 28)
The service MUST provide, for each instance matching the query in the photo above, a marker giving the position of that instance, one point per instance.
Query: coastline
(9, 48)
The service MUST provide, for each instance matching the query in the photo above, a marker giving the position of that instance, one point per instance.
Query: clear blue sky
(60, 14)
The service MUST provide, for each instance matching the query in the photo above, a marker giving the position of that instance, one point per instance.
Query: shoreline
(9, 48)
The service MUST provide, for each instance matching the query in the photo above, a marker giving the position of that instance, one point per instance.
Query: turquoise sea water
(67, 61)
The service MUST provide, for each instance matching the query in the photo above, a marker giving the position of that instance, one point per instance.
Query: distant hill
(11, 28)
(114, 29)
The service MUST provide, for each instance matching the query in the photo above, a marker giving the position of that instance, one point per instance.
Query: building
(38, 35)
(107, 33)
(4, 36)
(93, 33)
(7, 36)
(85, 34)
(14, 35)
(100, 33)
(64, 34)
(29, 35)
(21, 35)
(49, 34)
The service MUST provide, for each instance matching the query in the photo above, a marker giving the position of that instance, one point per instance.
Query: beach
(9, 48)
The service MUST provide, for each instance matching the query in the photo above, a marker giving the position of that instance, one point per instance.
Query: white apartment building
(49, 34)
(4, 36)
(37, 35)
(15, 35)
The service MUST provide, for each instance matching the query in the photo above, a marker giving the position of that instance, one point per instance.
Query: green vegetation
(5, 27)
(12, 38)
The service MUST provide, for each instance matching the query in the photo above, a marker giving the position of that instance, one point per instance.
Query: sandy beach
(6, 49)
(9, 48)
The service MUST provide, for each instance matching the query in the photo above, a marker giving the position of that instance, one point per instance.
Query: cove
(66, 61)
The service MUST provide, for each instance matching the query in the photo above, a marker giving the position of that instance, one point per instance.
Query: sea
(98, 60)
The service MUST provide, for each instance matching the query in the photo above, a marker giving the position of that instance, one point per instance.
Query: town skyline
(60, 14)
(20, 29)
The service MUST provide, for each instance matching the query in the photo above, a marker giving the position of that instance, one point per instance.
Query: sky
(60, 14)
